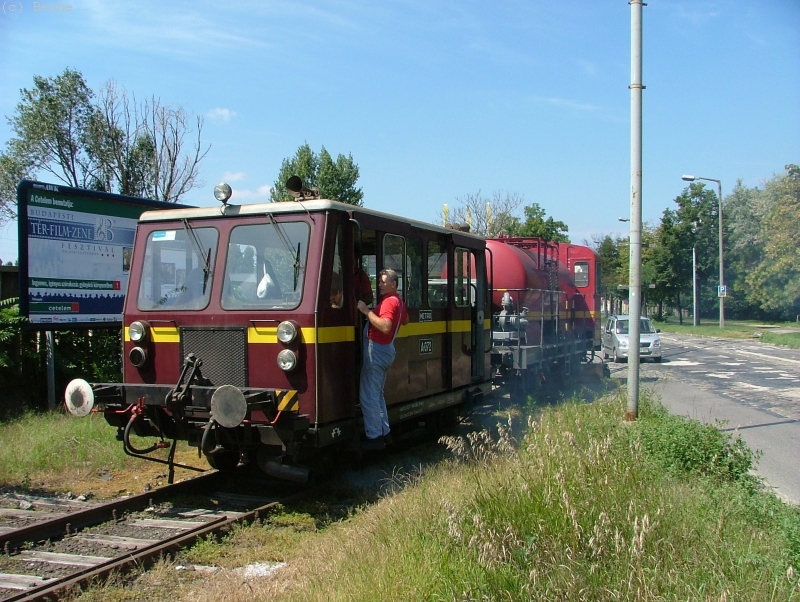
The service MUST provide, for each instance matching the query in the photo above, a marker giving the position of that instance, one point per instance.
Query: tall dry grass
(584, 507)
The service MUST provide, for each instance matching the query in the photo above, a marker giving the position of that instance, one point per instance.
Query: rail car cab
(583, 268)
(241, 332)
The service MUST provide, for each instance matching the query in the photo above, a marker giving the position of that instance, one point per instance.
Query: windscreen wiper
(205, 256)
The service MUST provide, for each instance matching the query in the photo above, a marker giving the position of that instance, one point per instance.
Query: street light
(721, 290)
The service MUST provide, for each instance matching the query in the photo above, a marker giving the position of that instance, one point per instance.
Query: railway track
(67, 550)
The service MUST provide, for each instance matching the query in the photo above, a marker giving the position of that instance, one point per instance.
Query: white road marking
(769, 357)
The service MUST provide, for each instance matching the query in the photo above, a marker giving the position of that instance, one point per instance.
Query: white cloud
(260, 194)
(230, 176)
(224, 114)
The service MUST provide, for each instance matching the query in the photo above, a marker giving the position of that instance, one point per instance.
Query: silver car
(615, 339)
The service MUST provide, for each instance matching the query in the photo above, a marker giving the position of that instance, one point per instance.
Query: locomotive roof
(301, 207)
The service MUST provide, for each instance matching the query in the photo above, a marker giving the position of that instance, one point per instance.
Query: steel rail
(144, 557)
(75, 521)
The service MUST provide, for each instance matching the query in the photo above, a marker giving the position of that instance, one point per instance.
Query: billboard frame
(115, 204)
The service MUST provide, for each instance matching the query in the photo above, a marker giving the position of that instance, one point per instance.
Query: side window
(581, 273)
(463, 281)
(336, 292)
(394, 250)
(437, 282)
(414, 276)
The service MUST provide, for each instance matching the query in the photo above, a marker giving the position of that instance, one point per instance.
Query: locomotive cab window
(178, 269)
(581, 273)
(266, 266)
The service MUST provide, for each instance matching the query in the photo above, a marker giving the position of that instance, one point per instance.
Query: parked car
(615, 339)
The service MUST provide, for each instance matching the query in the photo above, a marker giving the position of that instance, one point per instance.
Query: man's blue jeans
(375, 366)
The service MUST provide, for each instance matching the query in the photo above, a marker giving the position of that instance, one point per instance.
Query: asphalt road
(754, 388)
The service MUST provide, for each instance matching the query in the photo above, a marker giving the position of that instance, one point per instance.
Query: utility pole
(635, 276)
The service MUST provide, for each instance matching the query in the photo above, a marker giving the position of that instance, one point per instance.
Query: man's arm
(384, 325)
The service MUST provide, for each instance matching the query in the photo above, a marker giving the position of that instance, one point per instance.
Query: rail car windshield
(266, 266)
(178, 269)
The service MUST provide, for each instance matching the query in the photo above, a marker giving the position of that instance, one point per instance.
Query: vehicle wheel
(224, 460)
(617, 359)
(657, 360)
(605, 355)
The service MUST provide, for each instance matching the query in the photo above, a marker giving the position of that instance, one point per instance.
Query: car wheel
(617, 359)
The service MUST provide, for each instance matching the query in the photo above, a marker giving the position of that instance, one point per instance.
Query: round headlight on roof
(287, 360)
(222, 192)
(138, 331)
(287, 332)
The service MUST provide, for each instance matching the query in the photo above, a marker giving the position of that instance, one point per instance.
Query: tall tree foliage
(774, 284)
(336, 180)
(102, 141)
(535, 225)
(693, 225)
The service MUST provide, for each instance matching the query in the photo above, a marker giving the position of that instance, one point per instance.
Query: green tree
(693, 225)
(537, 226)
(775, 282)
(102, 141)
(52, 124)
(336, 180)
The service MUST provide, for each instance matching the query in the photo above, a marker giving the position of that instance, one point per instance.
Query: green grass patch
(734, 329)
(53, 443)
(787, 339)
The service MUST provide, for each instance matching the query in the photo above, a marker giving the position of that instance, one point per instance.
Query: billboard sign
(75, 249)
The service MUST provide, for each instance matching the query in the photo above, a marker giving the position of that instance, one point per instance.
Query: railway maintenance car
(242, 336)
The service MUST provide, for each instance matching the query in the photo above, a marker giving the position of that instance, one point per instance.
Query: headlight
(287, 332)
(623, 343)
(138, 356)
(137, 331)
(287, 360)
(657, 343)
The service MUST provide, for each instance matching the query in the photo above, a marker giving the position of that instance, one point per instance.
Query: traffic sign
(722, 291)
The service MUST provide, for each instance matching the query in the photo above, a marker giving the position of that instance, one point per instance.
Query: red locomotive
(241, 333)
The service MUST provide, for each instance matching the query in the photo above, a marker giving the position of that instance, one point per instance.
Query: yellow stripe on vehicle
(160, 334)
(287, 401)
(415, 329)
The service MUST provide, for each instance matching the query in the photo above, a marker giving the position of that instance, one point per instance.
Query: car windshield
(645, 326)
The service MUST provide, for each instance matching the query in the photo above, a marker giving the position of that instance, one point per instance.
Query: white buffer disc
(79, 397)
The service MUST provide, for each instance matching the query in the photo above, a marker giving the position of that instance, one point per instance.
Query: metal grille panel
(223, 351)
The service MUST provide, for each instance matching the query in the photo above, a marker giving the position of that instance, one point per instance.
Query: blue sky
(436, 100)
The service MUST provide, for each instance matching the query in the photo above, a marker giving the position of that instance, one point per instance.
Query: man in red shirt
(379, 333)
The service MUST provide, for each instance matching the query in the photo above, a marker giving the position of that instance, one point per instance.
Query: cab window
(581, 273)
(266, 266)
(178, 269)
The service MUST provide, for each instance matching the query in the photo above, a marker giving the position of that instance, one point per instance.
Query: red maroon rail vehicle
(237, 340)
